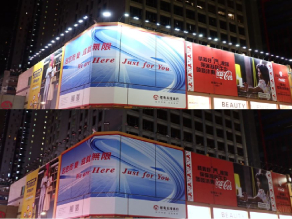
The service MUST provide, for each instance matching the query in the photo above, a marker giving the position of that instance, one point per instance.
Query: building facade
(215, 133)
(220, 23)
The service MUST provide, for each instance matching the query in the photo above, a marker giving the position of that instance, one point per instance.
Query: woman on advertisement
(43, 187)
(264, 81)
(49, 86)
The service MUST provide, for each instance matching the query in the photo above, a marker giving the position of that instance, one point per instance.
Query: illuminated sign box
(285, 107)
(220, 103)
(258, 105)
(198, 212)
(199, 102)
(285, 216)
(256, 215)
(220, 213)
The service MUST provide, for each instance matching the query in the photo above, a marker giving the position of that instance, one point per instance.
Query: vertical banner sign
(214, 71)
(255, 78)
(281, 193)
(212, 180)
(117, 175)
(189, 172)
(34, 99)
(282, 83)
(190, 66)
(254, 188)
(28, 205)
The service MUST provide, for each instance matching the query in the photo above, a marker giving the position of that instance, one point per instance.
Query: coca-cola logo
(156, 207)
(281, 189)
(227, 76)
(225, 185)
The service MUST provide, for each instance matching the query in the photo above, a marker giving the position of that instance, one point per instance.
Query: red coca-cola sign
(225, 185)
(212, 181)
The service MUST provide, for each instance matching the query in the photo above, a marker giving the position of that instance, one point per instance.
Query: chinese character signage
(125, 176)
(281, 193)
(212, 180)
(282, 83)
(123, 63)
(213, 70)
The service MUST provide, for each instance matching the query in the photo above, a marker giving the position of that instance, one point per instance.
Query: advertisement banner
(258, 215)
(212, 180)
(199, 212)
(220, 213)
(255, 78)
(45, 81)
(281, 193)
(40, 190)
(34, 98)
(28, 205)
(282, 83)
(213, 70)
(259, 105)
(199, 102)
(124, 63)
(125, 176)
(254, 188)
(220, 103)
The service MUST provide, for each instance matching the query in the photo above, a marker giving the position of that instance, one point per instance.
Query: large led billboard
(122, 65)
(120, 175)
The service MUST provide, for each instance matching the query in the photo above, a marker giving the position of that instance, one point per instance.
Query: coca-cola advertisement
(254, 188)
(210, 180)
(281, 193)
(282, 83)
(255, 78)
(210, 70)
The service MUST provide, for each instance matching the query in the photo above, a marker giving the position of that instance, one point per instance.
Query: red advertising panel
(282, 83)
(210, 180)
(281, 193)
(213, 70)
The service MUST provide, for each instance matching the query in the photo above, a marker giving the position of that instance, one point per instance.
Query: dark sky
(8, 15)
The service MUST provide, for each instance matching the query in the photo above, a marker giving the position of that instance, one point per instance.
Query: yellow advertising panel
(28, 206)
(45, 83)
(35, 87)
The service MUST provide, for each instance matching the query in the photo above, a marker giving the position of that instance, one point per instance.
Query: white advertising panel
(258, 105)
(220, 213)
(199, 212)
(257, 215)
(199, 102)
(285, 107)
(285, 216)
(220, 103)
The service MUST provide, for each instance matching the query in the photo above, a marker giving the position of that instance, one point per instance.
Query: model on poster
(45, 192)
(255, 78)
(253, 188)
(50, 80)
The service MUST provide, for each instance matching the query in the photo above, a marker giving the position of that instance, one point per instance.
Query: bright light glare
(106, 14)
(80, 21)
(126, 15)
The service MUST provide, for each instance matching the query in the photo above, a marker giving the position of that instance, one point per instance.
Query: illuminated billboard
(120, 175)
(45, 82)
(119, 64)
